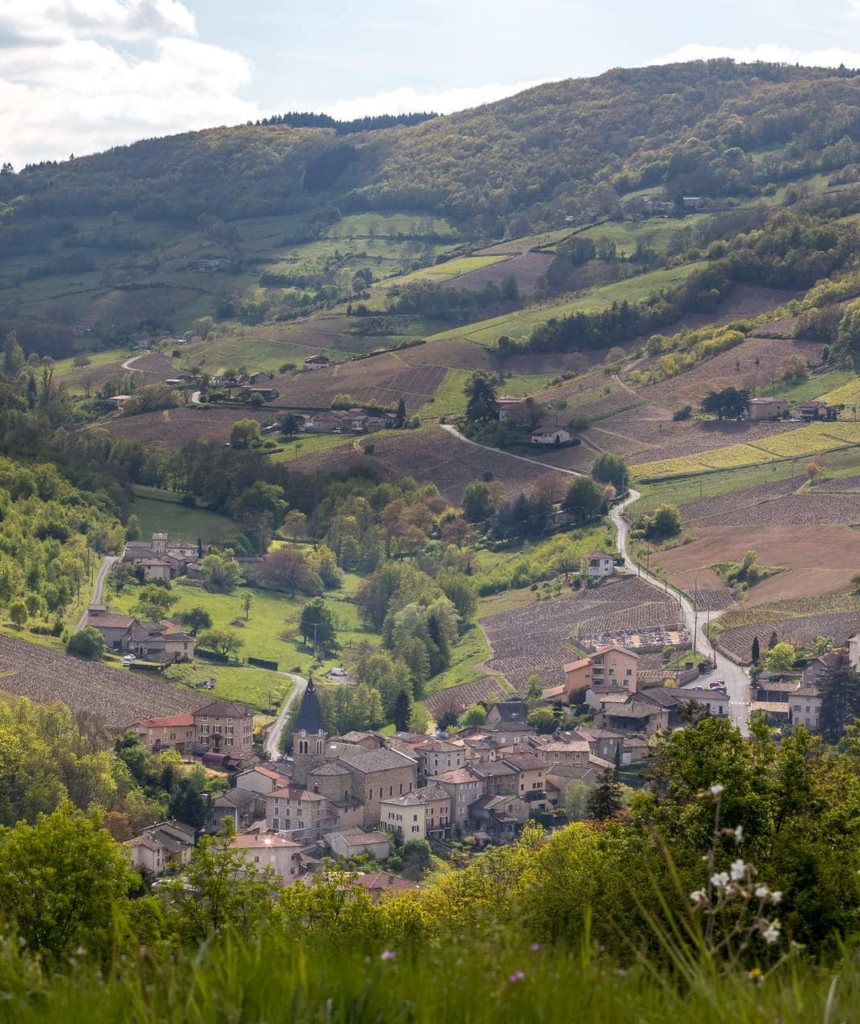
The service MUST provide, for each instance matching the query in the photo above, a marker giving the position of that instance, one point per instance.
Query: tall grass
(490, 978)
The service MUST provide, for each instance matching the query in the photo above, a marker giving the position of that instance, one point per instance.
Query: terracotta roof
(179, 721)
(573, 665)
(616, 647)
(457, 775)
(382, 881)
(556, 691)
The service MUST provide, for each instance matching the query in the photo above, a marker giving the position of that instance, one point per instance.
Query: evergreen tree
(756, 651)
(773, 641)
(840, 701)
(605, 802)
(402, 711)
(482, 404)
(400, 418)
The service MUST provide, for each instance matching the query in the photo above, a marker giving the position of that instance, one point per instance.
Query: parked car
(717, 684)
(129, 659)
(338, 672)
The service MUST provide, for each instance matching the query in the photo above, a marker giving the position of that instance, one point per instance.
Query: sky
(80, 76)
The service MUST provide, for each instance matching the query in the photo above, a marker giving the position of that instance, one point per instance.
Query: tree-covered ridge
(701, 127)
(49, 532)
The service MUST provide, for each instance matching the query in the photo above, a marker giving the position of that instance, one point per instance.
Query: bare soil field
(649, 433)
(536, 638)
(792, 510)
(450, 352)
(148, 369)
(458, 698)
(430, 454)
(841, 485)
(525, 269)
(179, 425)
(819, 559)
(579, 458)
(383, 379)
(727, 504)
(713, 600)
(118, 698)
(839, 625)
(735, 368)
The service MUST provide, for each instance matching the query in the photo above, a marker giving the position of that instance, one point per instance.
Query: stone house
(354, 842)
(438, 756)
(496, 777)
(299, 814)
(224, 727)
(507, 723)
(116, 629)
(464, 788)
(239, 804)
(499, 816)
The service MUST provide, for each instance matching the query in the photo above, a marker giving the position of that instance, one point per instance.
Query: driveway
(273, 740)
(98, 589)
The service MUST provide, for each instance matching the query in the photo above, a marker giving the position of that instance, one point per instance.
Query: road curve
(98, 588)
(735, 677)
(273, 739)
(127, 364)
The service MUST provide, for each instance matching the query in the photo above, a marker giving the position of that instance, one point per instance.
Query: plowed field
(118, 698)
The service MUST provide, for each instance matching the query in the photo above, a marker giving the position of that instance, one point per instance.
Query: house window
(416, 828)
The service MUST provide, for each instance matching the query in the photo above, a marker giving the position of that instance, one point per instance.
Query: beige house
(418, 815)
(260, 780)
(299, 814)
(609, 667)
(510, 409)
(156, 569)
(499, 816)
(176, 732)
(115, 629)
(765, 408)
(268, 851)
(224, 727)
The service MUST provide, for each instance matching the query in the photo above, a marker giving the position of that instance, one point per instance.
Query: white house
(353, 842)
(548, 437)
(597, 563)
(262, 851)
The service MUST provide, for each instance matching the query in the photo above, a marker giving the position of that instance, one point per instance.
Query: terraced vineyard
(116, 697)
(458, 698)
(814, 439)
(808, 509)
(536, 638)
(737, 643)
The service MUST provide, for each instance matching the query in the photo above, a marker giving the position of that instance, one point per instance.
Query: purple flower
(517, 976)
(534, 947)
(388, 954)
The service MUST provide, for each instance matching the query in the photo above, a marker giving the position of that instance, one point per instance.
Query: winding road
(735, 677)
(98, 588)
(273, 739)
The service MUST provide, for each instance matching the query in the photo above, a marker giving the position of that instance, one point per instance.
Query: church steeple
(309, 735)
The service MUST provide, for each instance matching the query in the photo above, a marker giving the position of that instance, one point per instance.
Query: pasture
(181, 523)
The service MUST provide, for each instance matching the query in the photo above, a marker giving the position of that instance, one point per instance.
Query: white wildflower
(762, 892)
(716, 790)
(720, 880)
(738, 869)
(776, 897)
(739, 833)
(771, 934)
(699, 896)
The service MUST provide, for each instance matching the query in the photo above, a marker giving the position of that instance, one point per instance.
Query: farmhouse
(598, 563)
(162, 845)
(765, 408)
(174, 732)
(817, 410)
(547, 437)
(509, 408)
(317, 362)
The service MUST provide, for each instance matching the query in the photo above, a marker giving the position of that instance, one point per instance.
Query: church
(335, 785)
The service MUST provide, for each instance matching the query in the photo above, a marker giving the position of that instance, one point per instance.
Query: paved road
(523, 458)
(736, 679)
(273, 740)
(98, 589)
(195, 398)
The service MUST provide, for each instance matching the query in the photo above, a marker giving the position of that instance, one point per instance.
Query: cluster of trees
(50, 533)
(459, 305)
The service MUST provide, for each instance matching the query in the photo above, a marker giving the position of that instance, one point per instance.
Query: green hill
(267, 222)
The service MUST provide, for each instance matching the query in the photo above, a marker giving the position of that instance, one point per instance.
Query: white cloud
(78, 76)
(828, 58)
(447, 101)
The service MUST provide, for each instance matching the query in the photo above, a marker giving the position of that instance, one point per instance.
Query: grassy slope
(180, 522)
